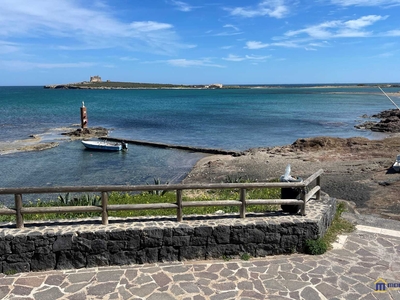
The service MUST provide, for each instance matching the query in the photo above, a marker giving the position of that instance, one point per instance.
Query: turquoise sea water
(235, 119)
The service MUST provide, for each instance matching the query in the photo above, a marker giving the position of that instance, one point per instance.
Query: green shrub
(316, 247)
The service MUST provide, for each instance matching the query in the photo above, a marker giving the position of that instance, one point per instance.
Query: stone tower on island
(95, 78)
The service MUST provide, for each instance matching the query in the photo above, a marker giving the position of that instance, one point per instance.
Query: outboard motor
(124, 146)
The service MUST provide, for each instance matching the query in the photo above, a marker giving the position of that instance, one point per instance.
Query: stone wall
(86, 243)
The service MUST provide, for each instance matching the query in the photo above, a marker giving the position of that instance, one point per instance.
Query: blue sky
(200, 41)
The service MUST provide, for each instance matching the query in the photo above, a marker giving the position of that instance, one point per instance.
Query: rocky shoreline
(35, 142)
(389, 123)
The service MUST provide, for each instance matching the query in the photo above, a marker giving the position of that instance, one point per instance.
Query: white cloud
(393, 33)
(332, 29)
(232, 57)
(272, 8)
(256, 45)
(83, 27)
(366, 2)
(182, 6)
(127, 58)
(149, 26)
(182, 62)
(231, 26)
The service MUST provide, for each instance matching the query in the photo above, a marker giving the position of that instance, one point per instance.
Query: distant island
(96, 83)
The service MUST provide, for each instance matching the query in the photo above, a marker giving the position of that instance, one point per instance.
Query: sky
(200, 41)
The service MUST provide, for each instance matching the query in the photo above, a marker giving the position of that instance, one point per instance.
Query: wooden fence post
(303, 197)
(179, 213)
(104, 203)
(18, 208)
(319, 184)
(243, 206)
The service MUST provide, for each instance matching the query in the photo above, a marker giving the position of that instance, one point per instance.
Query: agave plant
(157, 181)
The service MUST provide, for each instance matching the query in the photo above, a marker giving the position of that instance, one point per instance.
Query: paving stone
(78, 296)
(177, 291)
(106, 276)
(273, 285)
(143, 290)
(189, 287)
(102, 288)
(224, 286)
(161, 279)
(225, 296)
(81, 277)
(183, 277)
(73, 288)
(252, 295)
(288, 276)
(4, 291)
(55, 279)
(327, 290)
(30, 281)
(292, 285)
(361, 288)
(211, 276)
(215, 268)
(310, 293)
(245, 285)
(160, 296)
(52, 293)
(21, 290)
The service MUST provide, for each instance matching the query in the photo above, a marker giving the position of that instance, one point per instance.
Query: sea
(230, 119)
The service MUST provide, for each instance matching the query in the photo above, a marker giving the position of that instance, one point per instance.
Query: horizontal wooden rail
(211, 203)
(104, 208)
(60, 209)
(274, 201)
(117, 207)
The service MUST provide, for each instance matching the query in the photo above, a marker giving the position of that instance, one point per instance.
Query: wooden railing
(19, 211)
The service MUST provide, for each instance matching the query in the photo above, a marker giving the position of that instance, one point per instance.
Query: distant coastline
(113, 85)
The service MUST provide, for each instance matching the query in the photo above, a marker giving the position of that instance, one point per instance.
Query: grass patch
(338, 226)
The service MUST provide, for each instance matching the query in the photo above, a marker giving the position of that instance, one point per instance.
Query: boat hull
(102, 146)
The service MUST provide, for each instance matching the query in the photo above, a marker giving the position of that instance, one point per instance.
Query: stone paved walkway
(347, 272)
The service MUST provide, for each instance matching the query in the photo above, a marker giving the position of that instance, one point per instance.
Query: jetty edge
(179, 147)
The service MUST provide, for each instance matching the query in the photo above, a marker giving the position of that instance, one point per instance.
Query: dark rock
(70, 260)
(203, 231)
(95, 260)
(222, 234)
(123, 258)
(5, 247)
(19, 267)
(390, 122)
(148, 255)
(63, 242)
(88, 132)
(43, 261)
(81, 244)
(98, 246)
(169, 254)
(193, 252)
(152, 237)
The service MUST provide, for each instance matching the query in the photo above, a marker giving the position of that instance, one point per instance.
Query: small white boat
(396, 164)
(105, 145)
